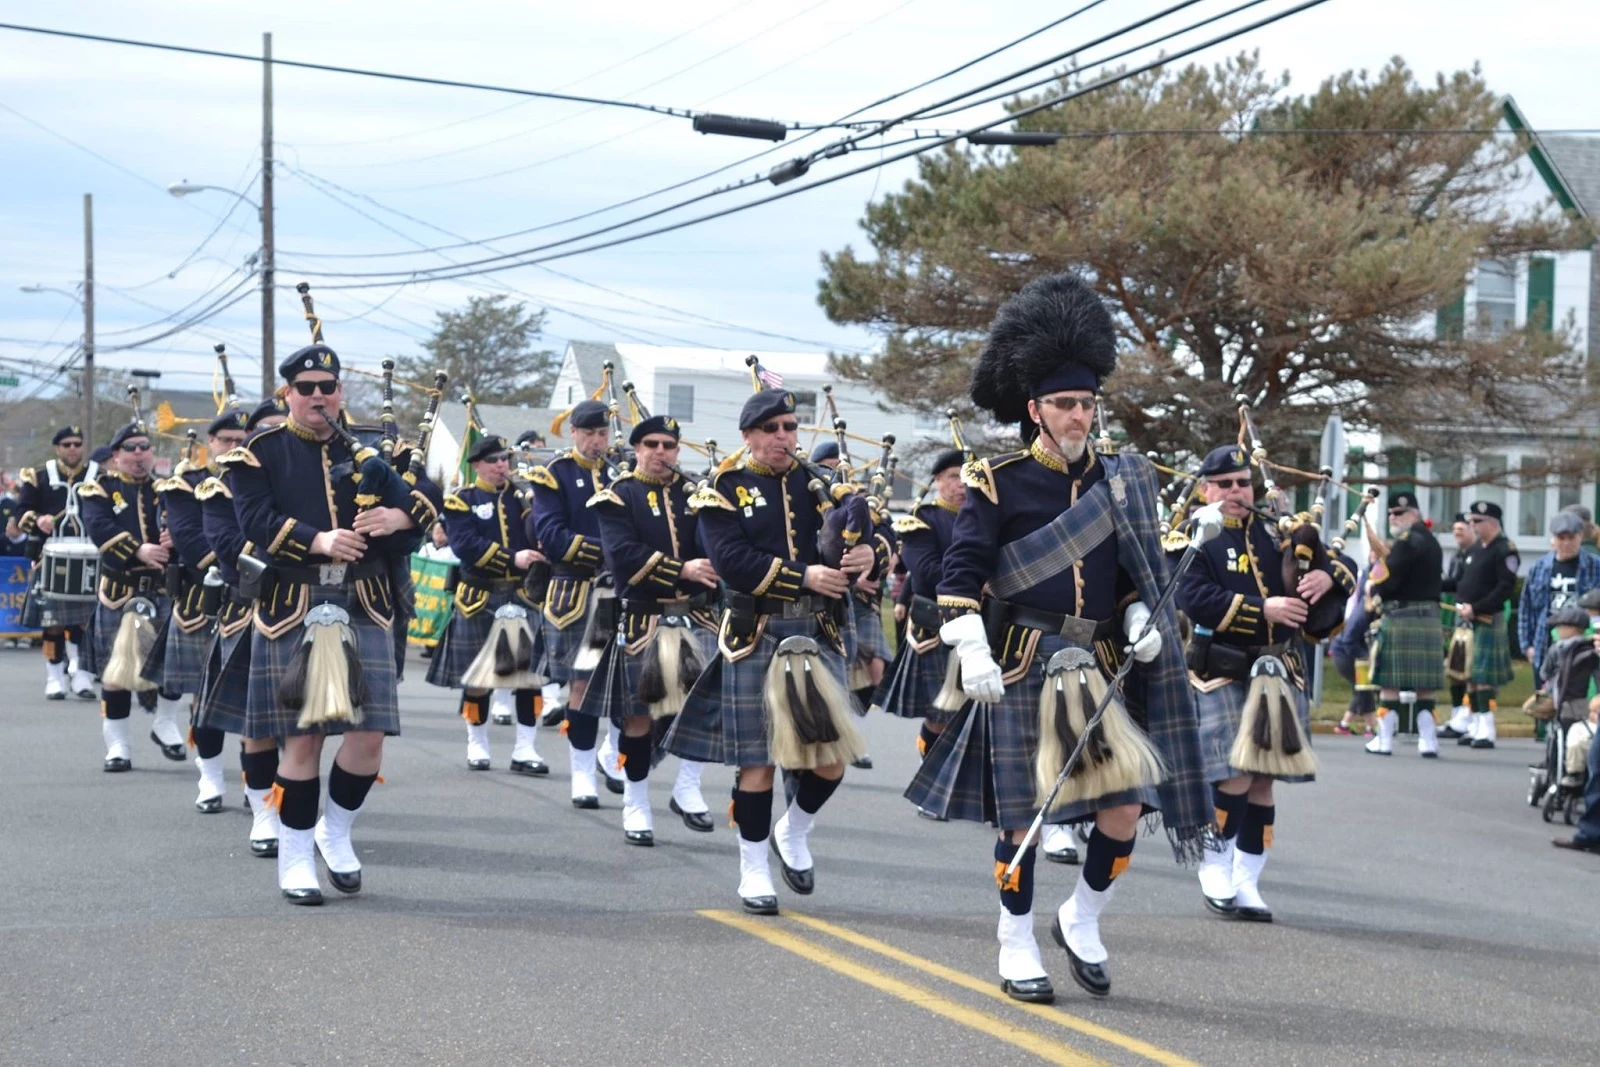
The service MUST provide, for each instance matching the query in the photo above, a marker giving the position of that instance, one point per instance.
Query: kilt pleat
(561, 646)
(1491, 652)
(101, 633)
(981, 768)
(269, 661)
(42, 612)
(1405, 652)
(871, 642)
(1221, 711)
(464, 638)
(177, 660)
(612, 688)
(912, 681)
(225, 686)
(725, 718)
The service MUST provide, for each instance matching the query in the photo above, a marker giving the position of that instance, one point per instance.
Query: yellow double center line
(1048, 1049)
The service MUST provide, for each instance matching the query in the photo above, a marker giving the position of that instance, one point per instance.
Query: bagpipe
(136, 630)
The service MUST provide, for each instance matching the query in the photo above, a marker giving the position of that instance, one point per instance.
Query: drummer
(42, 494)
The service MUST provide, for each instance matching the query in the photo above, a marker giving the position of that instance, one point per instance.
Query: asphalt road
(1423, 918)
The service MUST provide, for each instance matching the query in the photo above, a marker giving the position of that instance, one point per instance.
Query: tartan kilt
(464, 638)
(561, 646)
(40, 612)
(178, 659)
(981, 767)
(225, 683)
(1405, 650)
(725, 718)
(101, 634)
(913, 680)
(1491, 652)
(1220, 713)
(871, 643)
(611, 690)
(269, 661)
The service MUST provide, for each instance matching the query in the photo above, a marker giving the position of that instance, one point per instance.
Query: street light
(74, 297)
(264, 213)
(86, 381)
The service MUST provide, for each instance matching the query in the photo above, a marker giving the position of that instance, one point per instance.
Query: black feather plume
(292, 690)
(505, 661)
(1051, 321)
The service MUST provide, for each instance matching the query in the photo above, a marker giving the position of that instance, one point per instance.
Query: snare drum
(69, 569)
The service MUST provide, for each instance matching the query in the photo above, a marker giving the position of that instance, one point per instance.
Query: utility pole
(88, 323)
(268, 339)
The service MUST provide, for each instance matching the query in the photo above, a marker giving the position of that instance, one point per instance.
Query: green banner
(434, 600)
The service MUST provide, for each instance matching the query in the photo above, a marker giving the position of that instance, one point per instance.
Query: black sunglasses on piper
(327, 387)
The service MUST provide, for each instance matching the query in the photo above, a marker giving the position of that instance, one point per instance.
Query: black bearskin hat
(1054, 335)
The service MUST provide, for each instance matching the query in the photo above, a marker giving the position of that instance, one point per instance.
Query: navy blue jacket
(648, 533)
(487, 528)
(565, 529)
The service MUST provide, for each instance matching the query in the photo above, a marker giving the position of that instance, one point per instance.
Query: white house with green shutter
(1502, 294)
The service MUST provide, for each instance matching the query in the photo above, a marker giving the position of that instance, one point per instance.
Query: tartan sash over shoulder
(1056, 546)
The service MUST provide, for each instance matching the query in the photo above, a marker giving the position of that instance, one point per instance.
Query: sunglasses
(1067, 403)
(656, 442)
(498, 457)
(1231, 483)
(70, 444)
(1477, 518)
(136, 446)
(787, 426)
(326, 388)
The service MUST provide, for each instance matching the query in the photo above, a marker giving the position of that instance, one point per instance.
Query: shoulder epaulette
(541, 476)
(88, 488)
(978, 474)
(212, 487)
(183, 467)
(709, 498)
(605, 496)
(236, 457)
(29, 476)
(173, 484)
(909, 524)
(453, 502)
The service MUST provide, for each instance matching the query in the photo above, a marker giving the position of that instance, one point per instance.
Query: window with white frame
(1444, 501)
(805, 406)
(1568, 490)
(1492, 469)
(1497, 297)
(680, 402)
(1531, 498)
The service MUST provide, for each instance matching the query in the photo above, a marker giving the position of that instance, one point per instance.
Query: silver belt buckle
(331, 573)
(796, 609)
(1078, 630)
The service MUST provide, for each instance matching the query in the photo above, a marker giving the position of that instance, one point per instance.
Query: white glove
(1207, 523)
(980, 674)
(1146, 646)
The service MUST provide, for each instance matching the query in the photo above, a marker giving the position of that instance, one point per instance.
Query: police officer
(667, 623)
(1242, 612)
(1405, 658)
(295, 491)
(120, 514)
(1486, 583)
(42, 493)
(487, 525)
(568, 533)
(1051, 577)
(760, 525)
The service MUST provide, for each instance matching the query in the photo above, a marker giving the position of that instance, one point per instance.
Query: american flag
(769, 378)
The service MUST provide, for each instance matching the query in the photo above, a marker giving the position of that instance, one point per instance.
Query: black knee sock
(1458, 693)
(582, 731)
(1230, 811)
(864, 695)
(259, 768)
(635, 753)
(813, 791)
(527, 707)
(55, 647)
(753, 813)
(925, 740)
(1104, 860)
(347, 790)
(1424, 704)
(170, 694)
(207, 741)
(1016, 894)
(297, 801)
(1255, 837)
(147, 699)
(1480, 700)
(116, 703)
(75, 635)
(473, 709)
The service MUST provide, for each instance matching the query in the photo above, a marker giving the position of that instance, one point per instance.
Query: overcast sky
(482, 164)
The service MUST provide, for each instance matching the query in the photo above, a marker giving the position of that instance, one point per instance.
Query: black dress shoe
(308, 897)
(1069, 856)
(862, 763)
(346, 883)
(208, 806)
(1252, 915)
(1092, 977)
(699, 821)
(175, 753)
(760, 905)
(1220, 905)
(645, 838)
(1576, 844)
(532, 767)
(477, 764)
(586, 803)
(1464, 739)
(1031, 990)
(55, 696)
(553, 716)
(117, 764)
(613, 784)
(802, 882)
(1451, 731)
(265, 848)
(1483, 742)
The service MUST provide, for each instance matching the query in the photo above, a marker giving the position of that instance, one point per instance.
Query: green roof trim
(1541, 160)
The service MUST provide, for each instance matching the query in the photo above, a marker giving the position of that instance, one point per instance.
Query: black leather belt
(331, 575)
(680, 606)
(799, 608)
(568, 570)
(492, 585)
(143, 584)
(1079, 631)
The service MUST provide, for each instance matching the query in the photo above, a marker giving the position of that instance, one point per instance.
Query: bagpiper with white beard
(489, 643)
(225, 685)
(1405, 655)
(1058, 526)
(42, 498)
(667, 624)
(121, 516)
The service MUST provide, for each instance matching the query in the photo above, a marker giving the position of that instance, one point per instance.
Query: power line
(480, 266)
